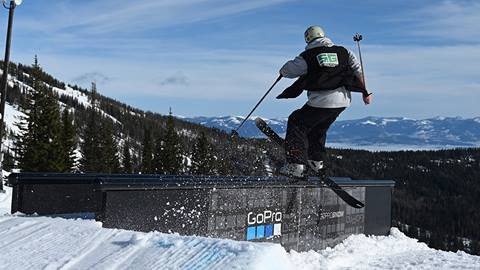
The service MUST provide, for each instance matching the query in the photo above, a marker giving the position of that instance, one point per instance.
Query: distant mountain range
(373, 133)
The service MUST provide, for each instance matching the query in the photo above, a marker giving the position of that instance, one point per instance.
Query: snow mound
(33, 242)
(56, 243)
(395, 251)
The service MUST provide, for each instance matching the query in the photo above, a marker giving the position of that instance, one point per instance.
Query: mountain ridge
(391, 132)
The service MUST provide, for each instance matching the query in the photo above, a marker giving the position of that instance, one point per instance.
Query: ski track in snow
(35, 242)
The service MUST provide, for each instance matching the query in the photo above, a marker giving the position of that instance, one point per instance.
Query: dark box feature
(301, 216)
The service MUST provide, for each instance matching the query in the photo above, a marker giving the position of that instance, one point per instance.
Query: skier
(329, 73)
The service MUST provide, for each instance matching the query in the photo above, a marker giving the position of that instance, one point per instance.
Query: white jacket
(335, 98)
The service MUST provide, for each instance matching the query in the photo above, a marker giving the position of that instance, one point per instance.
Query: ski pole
(235, 132)
(357, 38)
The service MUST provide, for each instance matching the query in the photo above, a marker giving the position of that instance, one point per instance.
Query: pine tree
(147, 153)
(8, 161)
(108, 150)
(51, 127)
(224, 166)
(99, 148)
(169, 154)
(126, 158)
(91, 140)
(257, 163)
(203, 160)
(25, 141)
(158, 159)
(67, 138)
(38, 144)
(135, 163)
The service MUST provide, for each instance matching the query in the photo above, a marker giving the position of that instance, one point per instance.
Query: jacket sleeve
(294, 68)
(355, 65)
(358, 72)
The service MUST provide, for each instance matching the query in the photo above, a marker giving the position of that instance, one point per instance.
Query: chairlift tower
(10, 5)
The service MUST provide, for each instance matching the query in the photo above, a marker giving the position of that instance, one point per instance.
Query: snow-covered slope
(56, 243)
(378, 133)
(13, 112)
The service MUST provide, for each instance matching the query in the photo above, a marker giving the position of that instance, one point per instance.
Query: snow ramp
(30, 242)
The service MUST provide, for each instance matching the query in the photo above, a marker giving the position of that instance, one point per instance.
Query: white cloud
(208, 74)
(416, 70)
(422, 81)
(122, 16)
(448, 20)
(90, 77)
(177, 79)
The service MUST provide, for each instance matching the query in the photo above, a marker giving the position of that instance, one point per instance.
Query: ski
(273, 136)
(269, 132)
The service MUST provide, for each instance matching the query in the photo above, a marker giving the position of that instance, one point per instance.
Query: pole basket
(357, 37)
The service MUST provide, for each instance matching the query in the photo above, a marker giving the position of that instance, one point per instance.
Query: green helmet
(313, 32)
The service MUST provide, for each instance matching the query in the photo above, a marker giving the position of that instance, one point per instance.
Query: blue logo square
(251, 233)
(269, 230)
(260, 231)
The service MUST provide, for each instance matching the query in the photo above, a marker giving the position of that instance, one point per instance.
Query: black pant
(307, 133)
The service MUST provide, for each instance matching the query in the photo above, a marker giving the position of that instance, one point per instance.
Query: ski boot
(294, 170)
(318, 168)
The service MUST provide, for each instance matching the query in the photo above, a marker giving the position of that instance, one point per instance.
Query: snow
(5, 201)
(396, 251)
(385, 121)
(368, 122)
(235, 119)
(56, 243)
(34, 242)
(275, 121)
(82, 99)
(77, 95)
(138, 114)
(12, 116)
(426, 124)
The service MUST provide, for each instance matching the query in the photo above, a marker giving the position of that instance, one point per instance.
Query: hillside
(129, 123)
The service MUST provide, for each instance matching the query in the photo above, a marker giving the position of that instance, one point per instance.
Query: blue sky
(214, 58)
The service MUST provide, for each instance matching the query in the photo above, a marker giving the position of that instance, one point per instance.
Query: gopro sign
(266, 216)
(264, 225)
